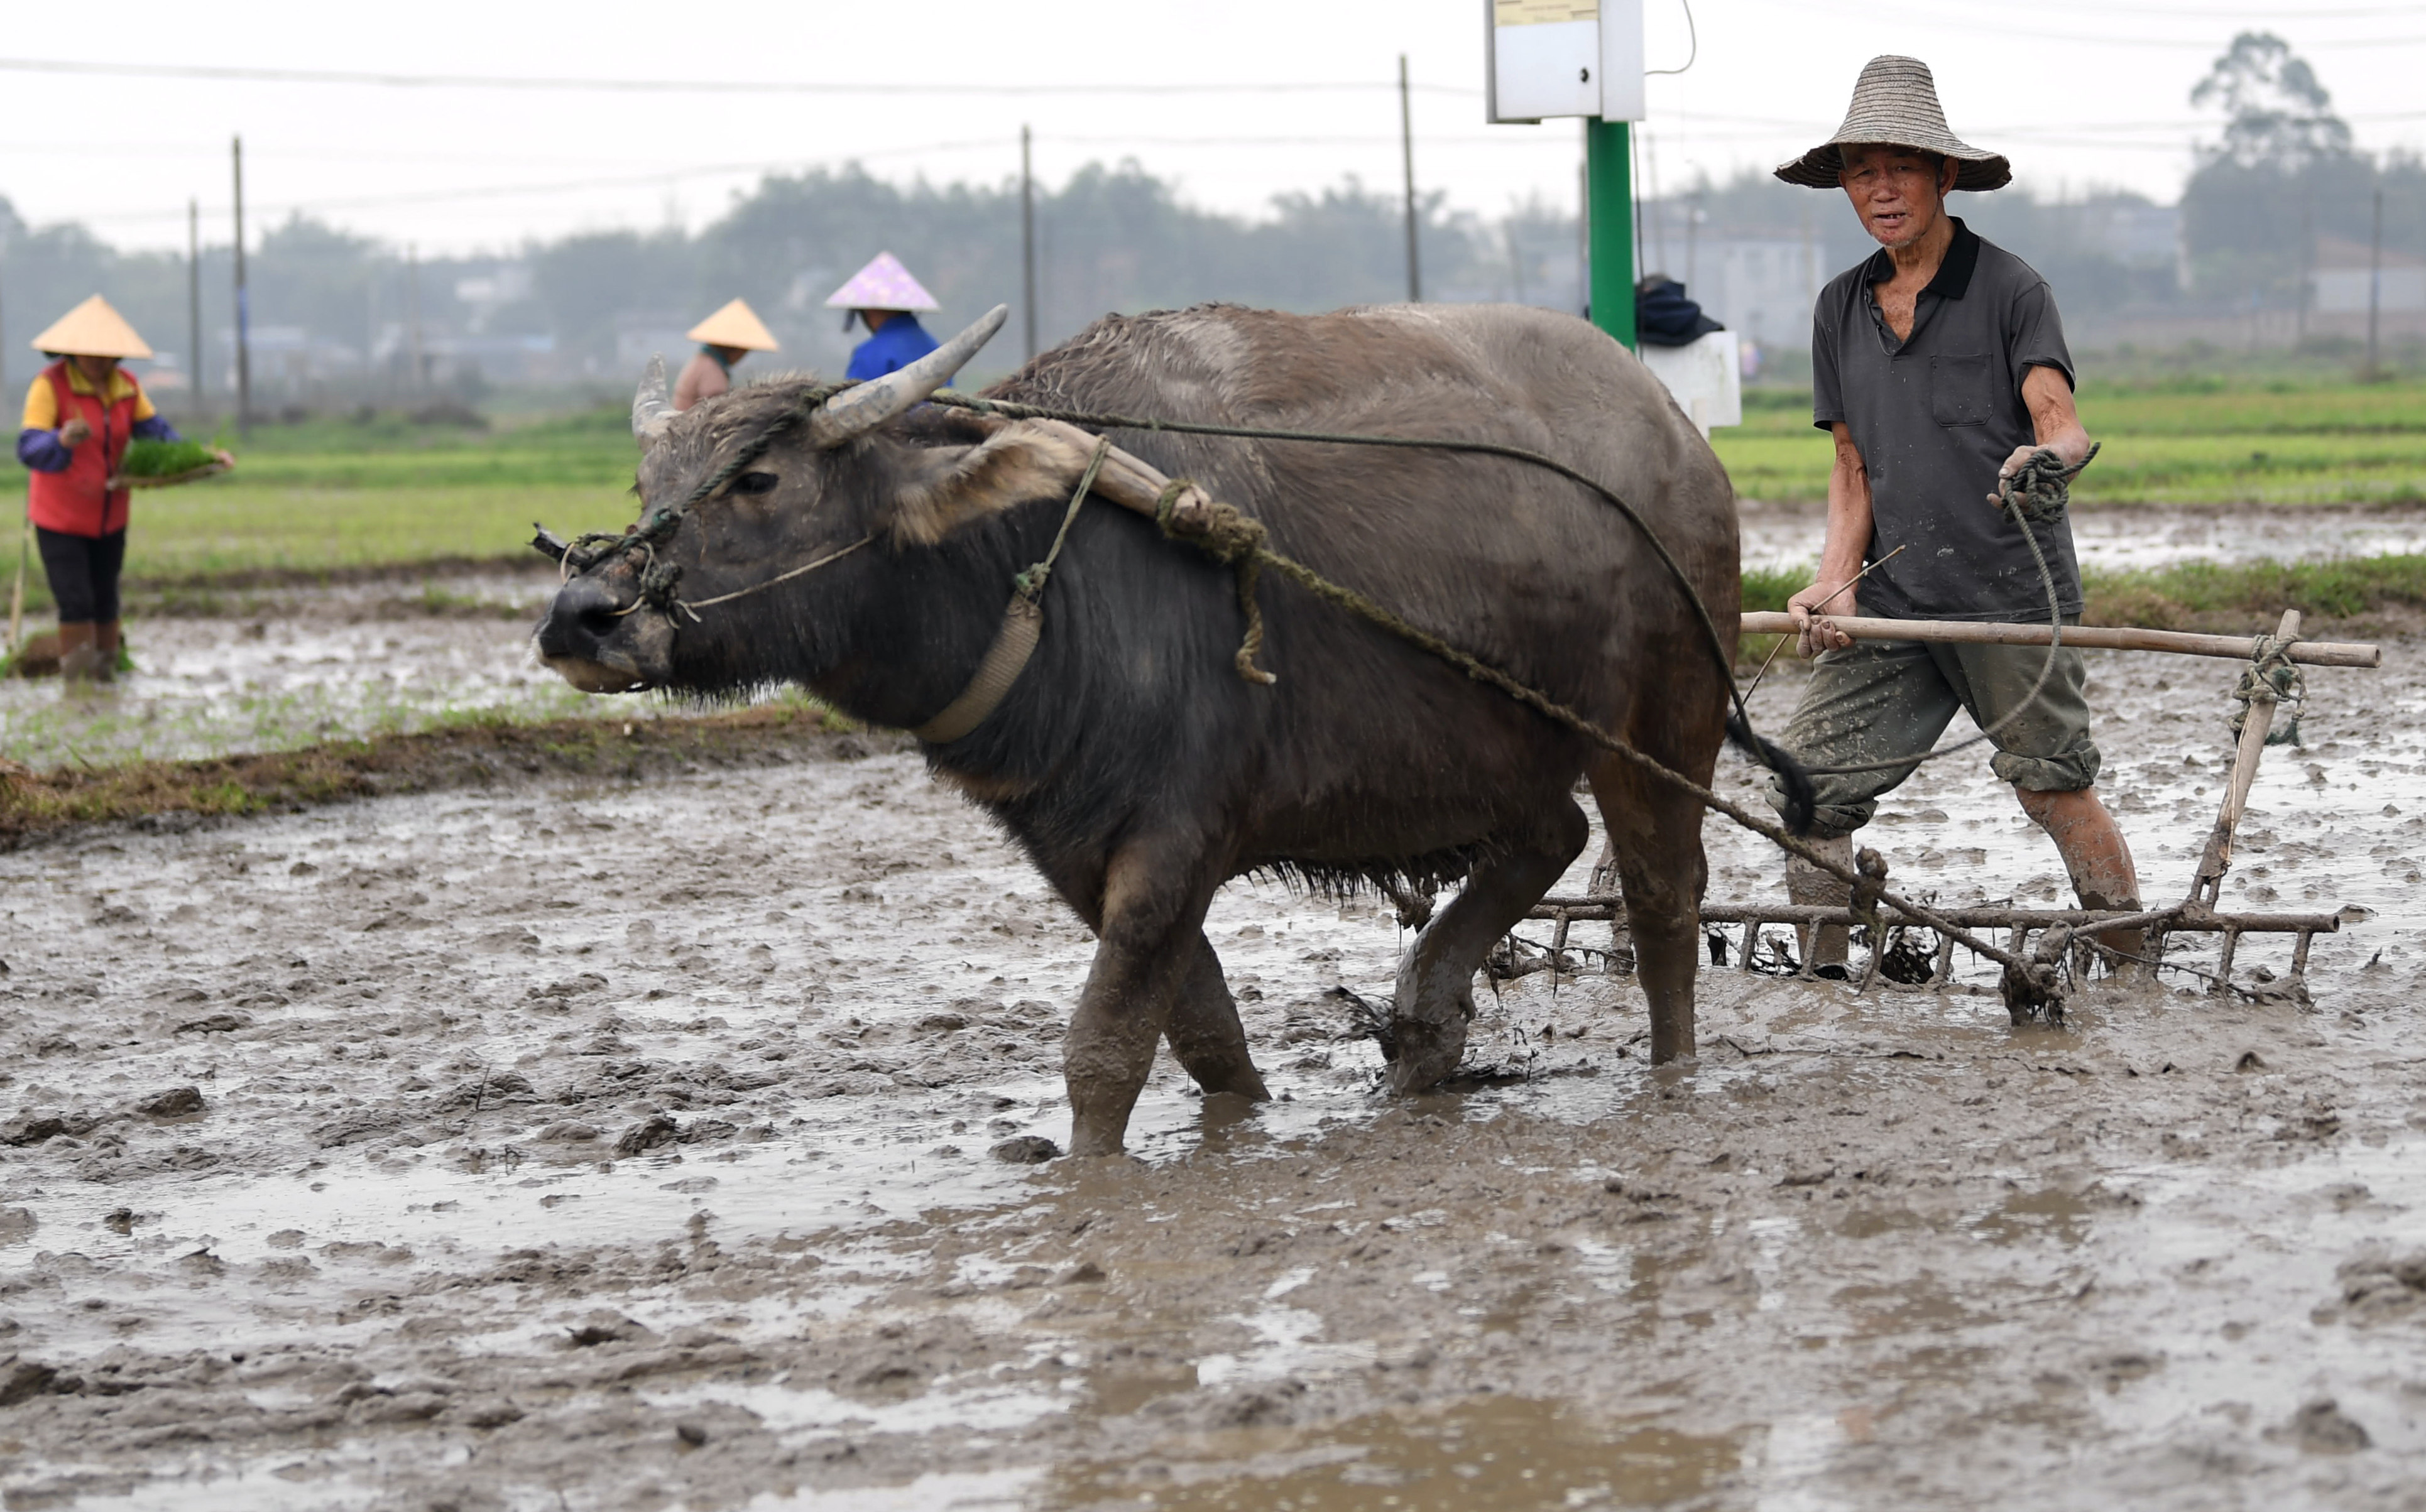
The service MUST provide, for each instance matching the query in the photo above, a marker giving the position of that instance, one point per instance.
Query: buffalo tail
(1801, 805)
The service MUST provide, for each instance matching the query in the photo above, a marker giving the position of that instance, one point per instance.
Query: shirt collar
(1953, 279)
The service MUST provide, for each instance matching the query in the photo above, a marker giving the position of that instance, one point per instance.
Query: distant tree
(2283, 173)
(2276, 113)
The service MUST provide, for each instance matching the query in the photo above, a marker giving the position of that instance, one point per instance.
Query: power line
(232, 74)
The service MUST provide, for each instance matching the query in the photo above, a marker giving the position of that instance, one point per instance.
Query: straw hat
(91, 328)
(883, 284)
(735, 325)
(1895, 102)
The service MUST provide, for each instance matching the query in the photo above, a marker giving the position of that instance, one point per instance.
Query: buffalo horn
(857, 411)
(652, 409)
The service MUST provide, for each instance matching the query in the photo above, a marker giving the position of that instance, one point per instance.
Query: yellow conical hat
(735, 325)
(92, 329)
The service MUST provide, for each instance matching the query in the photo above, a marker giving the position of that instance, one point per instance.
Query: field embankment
(464, 752)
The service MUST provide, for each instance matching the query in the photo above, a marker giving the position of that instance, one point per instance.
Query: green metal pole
(1609, 180)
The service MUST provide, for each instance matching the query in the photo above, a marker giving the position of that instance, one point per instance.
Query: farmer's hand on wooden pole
(1814, 632)
(75, 432)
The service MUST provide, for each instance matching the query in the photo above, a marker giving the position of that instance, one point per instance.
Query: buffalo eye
(755, 483)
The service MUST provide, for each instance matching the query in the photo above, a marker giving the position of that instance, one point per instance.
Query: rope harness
(1234, 539)
(2270, 677)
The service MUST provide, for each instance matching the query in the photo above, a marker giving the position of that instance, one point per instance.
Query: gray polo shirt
(1935, 415)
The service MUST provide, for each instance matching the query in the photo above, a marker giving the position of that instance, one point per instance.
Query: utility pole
(194, 295)
(1407, 157)
(243, 311)
(2374, 281)
(1583, 228)
(1609, 180)
(1027, 242)
(412, 308)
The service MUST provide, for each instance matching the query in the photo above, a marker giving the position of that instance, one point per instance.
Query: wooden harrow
(2196, 914)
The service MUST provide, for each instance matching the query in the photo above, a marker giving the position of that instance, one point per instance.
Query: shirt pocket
(1961, 391)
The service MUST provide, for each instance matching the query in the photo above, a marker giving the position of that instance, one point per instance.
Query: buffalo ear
(956, 486)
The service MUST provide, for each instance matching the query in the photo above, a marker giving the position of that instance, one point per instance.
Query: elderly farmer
(725, 337)
(884, 297)
(80, 414)
(1939, 366)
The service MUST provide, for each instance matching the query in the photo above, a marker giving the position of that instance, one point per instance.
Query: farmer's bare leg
(1810, 885)
(1656, 831)
(1204, 1033)
(2095, 855)
(1148, 933)
(1435, 993)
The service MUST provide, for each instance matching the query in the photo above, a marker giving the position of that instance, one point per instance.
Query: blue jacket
(902, 342)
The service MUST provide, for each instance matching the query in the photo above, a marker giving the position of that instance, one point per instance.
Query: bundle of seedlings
(152, 464)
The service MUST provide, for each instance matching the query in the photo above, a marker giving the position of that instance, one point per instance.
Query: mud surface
(273, 666)
(633, 1145)
(2116, 537)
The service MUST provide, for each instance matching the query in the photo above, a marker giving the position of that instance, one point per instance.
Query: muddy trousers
(1886, 701)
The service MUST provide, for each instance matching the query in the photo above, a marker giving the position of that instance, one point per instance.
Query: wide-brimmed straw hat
(735, 325)
(883, 284)
(1895, 102)
(91, 328)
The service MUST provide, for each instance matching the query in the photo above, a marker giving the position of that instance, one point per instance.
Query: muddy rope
(2271, 678)
(1235, 538)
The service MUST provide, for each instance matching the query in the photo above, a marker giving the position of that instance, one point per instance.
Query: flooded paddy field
(2117, 538)
(664, 1144)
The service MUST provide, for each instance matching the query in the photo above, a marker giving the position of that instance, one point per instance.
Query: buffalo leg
(1147, 944)
(1435, 994)
(1205, 1036)
(1658, 833)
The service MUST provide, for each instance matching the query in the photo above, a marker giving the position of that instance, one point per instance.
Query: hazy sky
(2077, 92)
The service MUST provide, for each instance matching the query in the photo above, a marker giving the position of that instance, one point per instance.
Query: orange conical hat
(92, 329)
(735, 325)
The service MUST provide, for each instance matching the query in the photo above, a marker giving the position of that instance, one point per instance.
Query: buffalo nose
(580, 619)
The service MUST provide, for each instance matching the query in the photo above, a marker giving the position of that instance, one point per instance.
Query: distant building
(2340, 279)
(1761, 288)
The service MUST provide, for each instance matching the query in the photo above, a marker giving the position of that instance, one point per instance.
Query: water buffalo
(1134, 763)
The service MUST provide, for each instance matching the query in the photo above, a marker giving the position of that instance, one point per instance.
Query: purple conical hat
(883, 284)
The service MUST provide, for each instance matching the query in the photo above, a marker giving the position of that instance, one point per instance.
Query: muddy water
(620, 1147)
(2120, 537)
(283, 668)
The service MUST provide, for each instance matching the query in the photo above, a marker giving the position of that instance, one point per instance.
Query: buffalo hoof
(1427, 1053)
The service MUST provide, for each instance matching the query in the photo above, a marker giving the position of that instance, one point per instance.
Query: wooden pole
(17, 594)
(2087, 638)
(1407, 159)
(2208, 882)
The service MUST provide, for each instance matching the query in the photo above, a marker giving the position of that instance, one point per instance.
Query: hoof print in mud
(1027, 1150)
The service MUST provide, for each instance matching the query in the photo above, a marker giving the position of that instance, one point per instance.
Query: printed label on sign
(1541, 12)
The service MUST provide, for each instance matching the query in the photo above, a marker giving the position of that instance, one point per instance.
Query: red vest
(73, 500)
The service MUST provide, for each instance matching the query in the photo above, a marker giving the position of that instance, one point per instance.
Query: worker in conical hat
(886, 299)
(80, 414)
(725, 337)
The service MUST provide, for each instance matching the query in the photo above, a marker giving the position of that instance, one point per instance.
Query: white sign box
(1563, 58)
